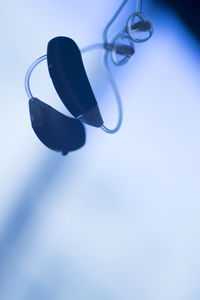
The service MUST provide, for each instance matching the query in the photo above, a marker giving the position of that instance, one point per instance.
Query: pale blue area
(118, 219)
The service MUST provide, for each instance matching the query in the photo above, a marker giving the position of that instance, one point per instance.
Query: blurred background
(119, 218)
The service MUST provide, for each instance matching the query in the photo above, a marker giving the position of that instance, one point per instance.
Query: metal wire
(139, 6)
(138, 9)
(105, 33)
(117, 95)
(29, 72)
(113, 84)
(92, 47)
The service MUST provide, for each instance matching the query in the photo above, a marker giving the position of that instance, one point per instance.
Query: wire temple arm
(117, 95)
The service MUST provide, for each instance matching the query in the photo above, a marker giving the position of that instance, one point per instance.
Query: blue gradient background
(120, 218)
